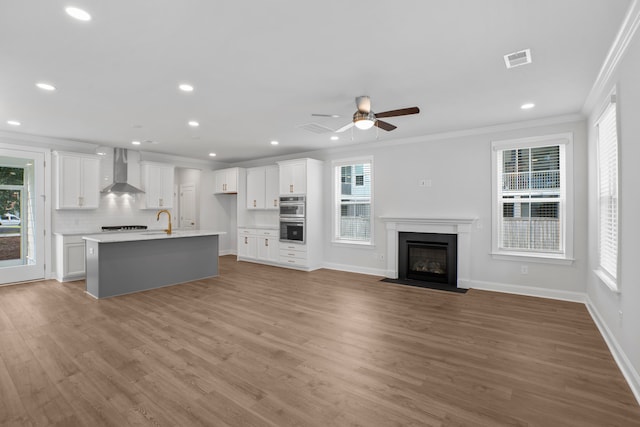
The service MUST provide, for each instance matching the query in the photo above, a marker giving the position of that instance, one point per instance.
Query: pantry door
(22, 215)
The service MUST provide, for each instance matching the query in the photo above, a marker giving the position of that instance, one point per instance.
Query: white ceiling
(260, 68)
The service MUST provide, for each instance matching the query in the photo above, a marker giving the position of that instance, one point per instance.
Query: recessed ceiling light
(46, 86)
(79, 14)
(527, 106)
(194, 124)
(335, 138)
(186, 87)
(212, 154)
(13, 122)
(274, 143)
(135, 142)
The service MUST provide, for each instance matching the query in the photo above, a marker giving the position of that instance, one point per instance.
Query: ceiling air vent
(516, 59)
(315, 128)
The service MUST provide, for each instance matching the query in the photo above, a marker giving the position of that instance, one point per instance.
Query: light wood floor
(267, 346)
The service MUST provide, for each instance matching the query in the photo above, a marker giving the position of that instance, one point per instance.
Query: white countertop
(147, 235)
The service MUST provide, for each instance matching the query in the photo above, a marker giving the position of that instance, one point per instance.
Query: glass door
(21, 216)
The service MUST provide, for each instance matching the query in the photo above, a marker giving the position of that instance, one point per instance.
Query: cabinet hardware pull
(290, 188)
(254, 203)
(266, 242)
(275, 203)
(245, 240)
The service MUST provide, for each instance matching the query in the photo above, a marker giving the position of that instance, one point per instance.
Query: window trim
(567, 221)
(335, 206)
(613, 283)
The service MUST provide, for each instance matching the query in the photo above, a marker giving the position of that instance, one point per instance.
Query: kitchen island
(122, 263)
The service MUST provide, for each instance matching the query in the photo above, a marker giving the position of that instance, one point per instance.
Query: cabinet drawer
(267, 233)
(293, 261)
(73, 239)
(246, 232)
(293, 247)
(292, 254)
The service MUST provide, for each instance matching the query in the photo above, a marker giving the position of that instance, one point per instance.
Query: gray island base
(118, 265)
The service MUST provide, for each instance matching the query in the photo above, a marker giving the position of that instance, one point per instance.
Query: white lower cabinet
(293, 254)
(267, 244)
(70, 257)
(258, 244)
(247, 243)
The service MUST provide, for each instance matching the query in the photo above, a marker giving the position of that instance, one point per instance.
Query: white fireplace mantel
(448, 225)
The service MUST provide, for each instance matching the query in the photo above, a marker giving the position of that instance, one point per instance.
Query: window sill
(353, 243)
(608, 281)
(531, 257)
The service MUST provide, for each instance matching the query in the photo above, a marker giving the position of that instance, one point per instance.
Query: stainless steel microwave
(292, 230)
(292, 207)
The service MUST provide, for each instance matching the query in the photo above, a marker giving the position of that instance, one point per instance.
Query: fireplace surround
(460, 226)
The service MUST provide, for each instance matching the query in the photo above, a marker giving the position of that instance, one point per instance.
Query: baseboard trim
(627, 369)
(226, 252)
(528, 291)
(355, 269)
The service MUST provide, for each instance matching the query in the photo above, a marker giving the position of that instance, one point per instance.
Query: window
(607, 159)
(353, 207)
(531, 208)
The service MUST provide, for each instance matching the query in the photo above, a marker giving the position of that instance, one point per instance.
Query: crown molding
(616, 53)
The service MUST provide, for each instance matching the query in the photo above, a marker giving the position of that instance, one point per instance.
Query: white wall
(619, 313)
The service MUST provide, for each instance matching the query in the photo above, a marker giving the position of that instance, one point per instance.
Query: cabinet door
(74, 259)
(90, 183)
(165, 192)
(232, 181)
(293, 178)
(247, 246)
(220, 178)
(271, 193)
(255, 188)
(150, 182)
(69, 182)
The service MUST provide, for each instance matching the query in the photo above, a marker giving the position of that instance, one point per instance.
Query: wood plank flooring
(264, 346)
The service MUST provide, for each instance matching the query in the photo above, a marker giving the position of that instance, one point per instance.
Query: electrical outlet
(381, 257)
(524, 269)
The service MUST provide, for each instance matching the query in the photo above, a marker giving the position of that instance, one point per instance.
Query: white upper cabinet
(262, 188)
(293, 176)
(271, 191)
(157, 183)
(226, 181)
(255, 188)
(77, 181)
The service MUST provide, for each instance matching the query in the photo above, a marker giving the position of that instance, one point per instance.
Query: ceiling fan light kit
(364, 120)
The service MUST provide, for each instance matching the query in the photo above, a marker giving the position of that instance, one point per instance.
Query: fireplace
(459, 226)
(428, 259)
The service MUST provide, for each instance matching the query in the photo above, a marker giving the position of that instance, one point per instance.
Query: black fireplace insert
(428, 258)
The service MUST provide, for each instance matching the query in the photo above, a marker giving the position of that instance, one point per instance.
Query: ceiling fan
(364, 118)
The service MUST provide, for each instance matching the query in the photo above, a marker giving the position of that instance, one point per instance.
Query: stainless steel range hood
(120, 184)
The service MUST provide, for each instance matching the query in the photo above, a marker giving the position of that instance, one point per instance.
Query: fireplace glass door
(427, 261)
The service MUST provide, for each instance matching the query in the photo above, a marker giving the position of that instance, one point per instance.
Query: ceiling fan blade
(400, 112)
(334, 116)
(384, 125)
(345, 127)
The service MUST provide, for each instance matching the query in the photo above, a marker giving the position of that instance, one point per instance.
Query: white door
(22, 214)
(188, 206)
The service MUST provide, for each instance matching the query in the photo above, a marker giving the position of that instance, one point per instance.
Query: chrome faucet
(168, 230)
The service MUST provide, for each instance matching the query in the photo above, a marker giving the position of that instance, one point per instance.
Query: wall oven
(292, 206)
(292, 230)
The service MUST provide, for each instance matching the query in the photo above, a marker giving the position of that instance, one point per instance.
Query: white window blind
(608, 191)
(353, 180)
(530, 199)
